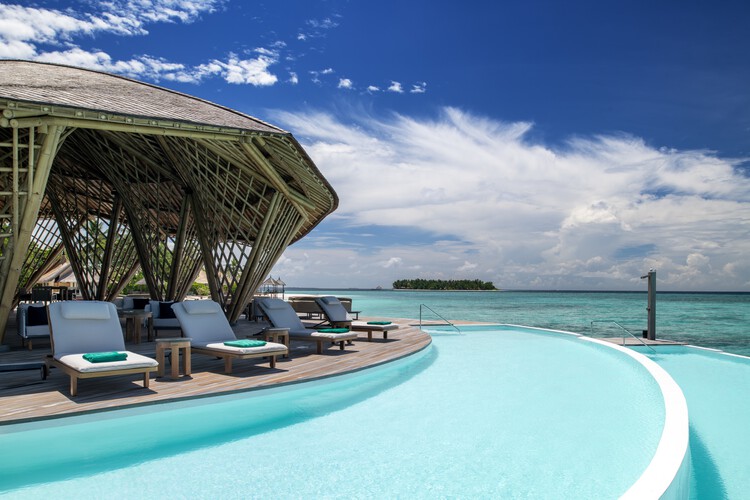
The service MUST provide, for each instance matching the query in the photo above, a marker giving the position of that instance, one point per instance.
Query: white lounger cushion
(282, 315)
(270, 348)
(85, 310)
(83, 334)
(363, 325)
(330, 336)
(134, 360)
(210, 325)
(333, 309)
(200, 307)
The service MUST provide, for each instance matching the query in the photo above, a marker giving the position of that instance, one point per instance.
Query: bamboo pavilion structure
(120, 175)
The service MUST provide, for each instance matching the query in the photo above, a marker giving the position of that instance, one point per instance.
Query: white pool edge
(668, 474)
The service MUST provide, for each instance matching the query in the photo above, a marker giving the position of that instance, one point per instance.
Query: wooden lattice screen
(96, 235)
(45, 249)
(119, 175)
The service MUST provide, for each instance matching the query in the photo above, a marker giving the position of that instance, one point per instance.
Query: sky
(540, 145)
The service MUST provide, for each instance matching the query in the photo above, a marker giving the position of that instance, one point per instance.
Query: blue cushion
(36, 316)
(165, 310)
(140, 303)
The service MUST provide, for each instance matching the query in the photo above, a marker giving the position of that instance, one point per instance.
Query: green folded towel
(378, 322)
(334, 330)
(245, 343)
(103, 357)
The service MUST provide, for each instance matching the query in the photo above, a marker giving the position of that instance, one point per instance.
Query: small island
(423, 284)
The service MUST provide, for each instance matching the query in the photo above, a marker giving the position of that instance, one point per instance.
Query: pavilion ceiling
(83, 171)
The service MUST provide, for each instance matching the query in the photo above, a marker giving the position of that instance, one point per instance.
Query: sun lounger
(337, 315)
(281, 315)
(205, 323)
(90, 327)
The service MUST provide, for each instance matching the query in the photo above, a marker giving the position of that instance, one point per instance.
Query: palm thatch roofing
(122, 175)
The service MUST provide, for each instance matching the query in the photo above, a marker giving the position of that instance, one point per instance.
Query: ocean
(714, 320)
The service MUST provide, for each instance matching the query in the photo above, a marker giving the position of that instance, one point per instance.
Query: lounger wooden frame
(229, 356)
(319, 341)
(361, 328)
(75, 374)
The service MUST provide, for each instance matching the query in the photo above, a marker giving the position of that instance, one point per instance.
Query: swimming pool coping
(667, 475)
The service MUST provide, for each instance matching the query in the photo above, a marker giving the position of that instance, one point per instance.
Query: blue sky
(534, 144)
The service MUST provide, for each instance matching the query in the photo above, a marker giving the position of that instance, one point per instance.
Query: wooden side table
(174, 345)
(133, 328)
(278, 335)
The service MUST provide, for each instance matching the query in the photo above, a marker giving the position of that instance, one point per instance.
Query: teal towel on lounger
(103, 357)
(245, 343)
(378, 322)
(334, 330)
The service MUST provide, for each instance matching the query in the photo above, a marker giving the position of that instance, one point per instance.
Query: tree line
(423, 284)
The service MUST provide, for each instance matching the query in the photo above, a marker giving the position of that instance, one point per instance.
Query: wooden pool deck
(24, 396)
(631, 342)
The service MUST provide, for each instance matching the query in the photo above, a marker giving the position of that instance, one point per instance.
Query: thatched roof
(132, 174)
(57, 85)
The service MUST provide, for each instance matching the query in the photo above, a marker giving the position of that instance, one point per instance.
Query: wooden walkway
(25, 396)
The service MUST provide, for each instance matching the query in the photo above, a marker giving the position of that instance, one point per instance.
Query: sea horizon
(516, 290)
(714, 319)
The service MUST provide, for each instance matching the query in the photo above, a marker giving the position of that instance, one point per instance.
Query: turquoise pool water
(501, 412)
(716, 386)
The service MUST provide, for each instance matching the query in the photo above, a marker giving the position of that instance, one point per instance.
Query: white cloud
(52, 35)
(467, 266)
(251, 71)
(326, 23)
(47, 35)
(419, 88)
(393, 261)
(373, 88)
(594, 213)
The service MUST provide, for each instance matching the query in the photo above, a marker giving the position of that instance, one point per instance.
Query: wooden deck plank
(24, 396)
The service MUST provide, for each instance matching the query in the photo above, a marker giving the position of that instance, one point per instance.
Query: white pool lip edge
(665, 476)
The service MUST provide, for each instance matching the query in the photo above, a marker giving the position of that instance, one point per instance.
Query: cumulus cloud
(419, 88)
(595, 212)
(253, 71)
(396, 87)
(48, 35)
(393, 261)
(65, 37)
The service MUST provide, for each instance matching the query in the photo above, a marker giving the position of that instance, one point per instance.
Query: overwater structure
(121, 175)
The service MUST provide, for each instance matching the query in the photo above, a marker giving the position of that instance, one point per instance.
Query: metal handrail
(624, 330)
(436, 314)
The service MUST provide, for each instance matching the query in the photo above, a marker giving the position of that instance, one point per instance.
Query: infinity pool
(716, 386)
(496, 412)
